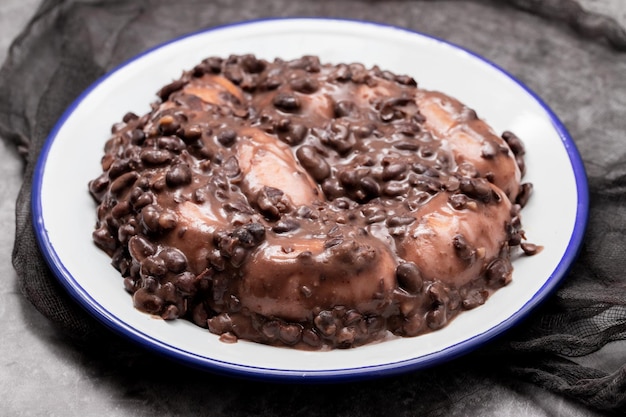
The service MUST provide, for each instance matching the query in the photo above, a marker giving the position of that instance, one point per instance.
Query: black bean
(257, 230)
(285, 225)
(360, 75)
(428, 151)
(150, 283)
(458, 201)
(190, 133)
(437, 318)
(344, 108)
(339, 138)
(408, 128)
(286, 102)
(171, 143)
(153, 267)
(438, 293)
(123, 183)
(374, 324)
(499, 271)
(524, 194)
(119, 167)
(178, 175)
(270, 329)
(231, 167)
(514, 142)
(147, 302)
(174, 260)
(530, 248)
(129, 117)
(325, 323)
(515, 238)
(104, 239)
(290, 334)
(238, 256)
(305, 85)
(117, 127)
(131, 285)
(168, 125)
(394, 189)
(308, 63)
(227, 137)
(167, 220)
(271, 82)
(120, 210)
(425, 183)
(474, 299)
(418, 168)
(155, 156)
(311, 338)
(220, 324)
(185, 282)
(407, 145)
(170, 88)
(351, 177)
(125, 232)
(251, 64)
(388, 114)
(477, 188)
(368, 189)
(244, 237)
(312, 161)
(332, 188)
(139, 248)
(396, 221)
(214, 64)
(409, 277)
(234, 74)
(170, 312)
(405, 80)
(352, 317)
(143, 200)
(98, 186)
(271, 202)
(462, 248)
(374, 215)
(412, 325)
(215, 259)
(332, 242)
(342, 73)
(293, 134)
(393, 171)
(149, 218)
(521, 163)
(346, 337)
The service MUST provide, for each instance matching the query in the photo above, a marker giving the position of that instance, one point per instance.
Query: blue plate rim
(334, 375)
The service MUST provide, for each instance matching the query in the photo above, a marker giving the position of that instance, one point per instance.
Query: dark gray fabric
(580, 73)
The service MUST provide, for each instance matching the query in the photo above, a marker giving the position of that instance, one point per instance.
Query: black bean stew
(318, 206)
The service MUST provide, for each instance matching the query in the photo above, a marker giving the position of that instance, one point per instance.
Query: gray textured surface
(42, 374)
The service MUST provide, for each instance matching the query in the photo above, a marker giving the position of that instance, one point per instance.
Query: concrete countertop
(41, 373)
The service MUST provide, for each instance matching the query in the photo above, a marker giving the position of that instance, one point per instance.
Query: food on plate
(297, 203)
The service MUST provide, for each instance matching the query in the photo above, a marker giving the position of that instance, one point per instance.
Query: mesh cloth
(574, 59)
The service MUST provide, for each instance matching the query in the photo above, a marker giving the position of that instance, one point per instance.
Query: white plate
(64, 213)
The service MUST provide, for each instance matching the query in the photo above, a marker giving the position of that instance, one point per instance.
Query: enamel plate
(65, 214)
